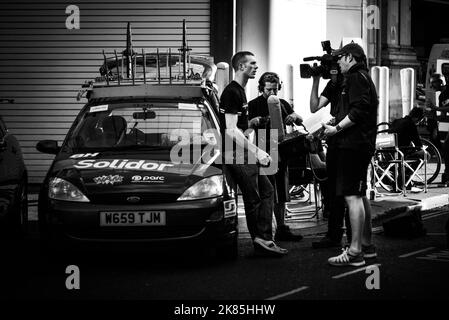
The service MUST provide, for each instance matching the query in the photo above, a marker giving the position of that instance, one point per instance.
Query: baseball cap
(351, 48)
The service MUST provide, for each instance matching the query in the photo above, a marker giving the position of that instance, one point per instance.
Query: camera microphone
(312, 58)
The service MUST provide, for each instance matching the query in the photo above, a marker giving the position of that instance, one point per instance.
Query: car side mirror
(48, 146)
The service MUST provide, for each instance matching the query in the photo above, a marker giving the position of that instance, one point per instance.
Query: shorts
(352, 172)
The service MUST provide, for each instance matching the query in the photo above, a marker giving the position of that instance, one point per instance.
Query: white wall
(297, 28)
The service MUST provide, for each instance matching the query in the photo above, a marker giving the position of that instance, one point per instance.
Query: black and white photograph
(235, 159)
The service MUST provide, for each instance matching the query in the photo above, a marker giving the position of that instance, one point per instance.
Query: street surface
(407, 269)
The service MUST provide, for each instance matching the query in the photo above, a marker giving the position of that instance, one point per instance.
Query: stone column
(397, 52)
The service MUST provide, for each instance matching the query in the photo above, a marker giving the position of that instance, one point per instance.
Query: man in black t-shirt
(258, 113)
(257, 191)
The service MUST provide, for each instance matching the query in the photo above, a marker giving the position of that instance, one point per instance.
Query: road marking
(354, 271)
(288, 293)
(416, 252)
(433, 259)
(437, 234)
(442, 256)
(434, 216)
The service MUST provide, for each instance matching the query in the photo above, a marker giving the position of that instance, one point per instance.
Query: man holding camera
(258, 114)
(331, 94)
(257, 191)
(355, 137)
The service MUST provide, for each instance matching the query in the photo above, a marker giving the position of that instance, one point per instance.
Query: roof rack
(162, 68)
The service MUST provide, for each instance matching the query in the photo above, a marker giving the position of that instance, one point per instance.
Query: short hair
(239, 58)
(270, 77)
(416, 112)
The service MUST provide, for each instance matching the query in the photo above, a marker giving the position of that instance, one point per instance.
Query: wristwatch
(338, 128)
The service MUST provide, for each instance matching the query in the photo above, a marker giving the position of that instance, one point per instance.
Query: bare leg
(357, 218)
(367, 229)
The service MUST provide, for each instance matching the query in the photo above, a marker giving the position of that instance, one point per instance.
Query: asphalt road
(408, 269)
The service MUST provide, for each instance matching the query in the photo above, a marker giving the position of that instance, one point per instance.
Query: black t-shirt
(259, 108)
(443, 99)
(233, 101)
(332, 92)
(407, 132)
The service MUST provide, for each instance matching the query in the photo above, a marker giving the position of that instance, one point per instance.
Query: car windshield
(143, 125)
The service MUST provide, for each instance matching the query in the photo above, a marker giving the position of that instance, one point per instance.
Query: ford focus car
(139, 165)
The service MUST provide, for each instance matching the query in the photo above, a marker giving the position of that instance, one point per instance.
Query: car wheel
(18, 218)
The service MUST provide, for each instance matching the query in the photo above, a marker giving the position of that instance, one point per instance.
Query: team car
(139, 163)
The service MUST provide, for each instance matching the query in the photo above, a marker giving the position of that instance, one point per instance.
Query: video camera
(328, 67)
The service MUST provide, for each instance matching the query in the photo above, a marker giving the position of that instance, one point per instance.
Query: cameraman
(336, 204)
(355, 138)
(258, 113)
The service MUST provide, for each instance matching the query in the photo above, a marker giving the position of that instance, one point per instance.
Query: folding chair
(387, 164)
(391, 162)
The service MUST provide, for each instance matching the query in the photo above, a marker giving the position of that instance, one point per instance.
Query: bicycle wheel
(433, 164)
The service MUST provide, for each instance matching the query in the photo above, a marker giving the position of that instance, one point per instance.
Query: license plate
(132, 218)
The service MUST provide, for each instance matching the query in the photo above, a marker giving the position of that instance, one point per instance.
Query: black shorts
(352, 172)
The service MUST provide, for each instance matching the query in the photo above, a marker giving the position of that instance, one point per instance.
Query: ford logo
(133, 199)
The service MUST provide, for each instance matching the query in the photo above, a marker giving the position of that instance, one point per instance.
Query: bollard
(407, 89)
(288, 86)
(222, 77)
(381, 79)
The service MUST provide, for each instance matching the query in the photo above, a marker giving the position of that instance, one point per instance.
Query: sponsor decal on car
(148, 179)
(230, 208)
(99, 108)
(109, 179)
(84, 155)
(122, 164)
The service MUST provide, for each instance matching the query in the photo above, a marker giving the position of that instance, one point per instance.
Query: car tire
(18, 218)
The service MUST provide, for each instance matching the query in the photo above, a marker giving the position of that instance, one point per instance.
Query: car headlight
(59, 189)
(206, 188)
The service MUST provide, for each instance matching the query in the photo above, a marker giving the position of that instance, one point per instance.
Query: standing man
(269, 84)
(436, 83)
(331, 94)
(355, 135)
(256, 189)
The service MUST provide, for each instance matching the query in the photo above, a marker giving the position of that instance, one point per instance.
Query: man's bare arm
(241, 140)
(316, 103)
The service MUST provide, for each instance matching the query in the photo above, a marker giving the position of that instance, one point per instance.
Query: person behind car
(257, 191)
(269, 84)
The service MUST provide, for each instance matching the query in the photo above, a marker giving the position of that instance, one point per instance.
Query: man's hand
(255, 122)
(329, 131)
(263, 158)
(293, 118)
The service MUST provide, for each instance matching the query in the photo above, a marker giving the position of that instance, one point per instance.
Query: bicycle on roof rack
(156, 68)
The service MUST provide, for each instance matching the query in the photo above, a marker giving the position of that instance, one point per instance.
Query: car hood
(115, 177)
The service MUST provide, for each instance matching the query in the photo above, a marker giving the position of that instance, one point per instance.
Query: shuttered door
(43, 64)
